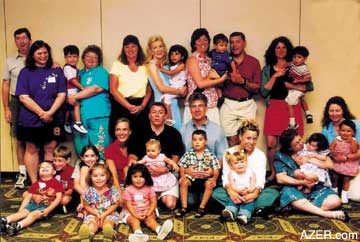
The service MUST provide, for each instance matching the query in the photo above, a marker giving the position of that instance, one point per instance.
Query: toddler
(205, 168)
(344, 145)
(140, 203)
(29, 210)
(177, 58)
(312, 160)
(242, 180)
(71, 54)
(300, 74)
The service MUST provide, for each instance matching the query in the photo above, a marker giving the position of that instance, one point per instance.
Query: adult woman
(321, 199)
(274, 87)
(116, 154)
(198, 67)
(336, 110)
(156, 51)
(248, 134)
(129, 86)
(94, 101)
(41, 89)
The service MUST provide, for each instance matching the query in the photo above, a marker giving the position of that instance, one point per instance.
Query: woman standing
(129, 86)
(274, 87)
(94, 101)
(41, 90)
(198, 67)
(159, 81)
(116, 154)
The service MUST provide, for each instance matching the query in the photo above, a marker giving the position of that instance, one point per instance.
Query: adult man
(239, 89)
(11, 104)
(217, 143)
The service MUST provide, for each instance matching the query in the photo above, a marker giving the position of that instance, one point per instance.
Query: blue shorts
(33, 206)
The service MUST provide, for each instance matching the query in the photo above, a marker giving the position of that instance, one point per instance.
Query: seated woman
(321, 200)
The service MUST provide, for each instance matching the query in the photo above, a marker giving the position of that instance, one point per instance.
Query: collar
(203, 125)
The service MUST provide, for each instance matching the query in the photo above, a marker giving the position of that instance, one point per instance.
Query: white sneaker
(165, 229)
(20, 182)
(242, 219)
(80, 128)
(227, 215)
(138, 237)
(344, 197)
(67, 128)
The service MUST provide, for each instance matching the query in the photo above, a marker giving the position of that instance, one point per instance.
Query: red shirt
(64, 177)
(112, 152)
(250, 69)
(48, 188)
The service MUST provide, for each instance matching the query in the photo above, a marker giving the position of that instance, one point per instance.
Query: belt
(242, 99)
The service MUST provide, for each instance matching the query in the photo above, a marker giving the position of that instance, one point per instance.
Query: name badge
(52, 79)
(138, 197)
(42, 185)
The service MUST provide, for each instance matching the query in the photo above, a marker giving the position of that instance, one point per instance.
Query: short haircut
(320, 139)
(220, 37)
(181, 49)
(153, 142)
(94, 49)
(71, 50)
(241, 34)
(242, 155)
(196, 35)
(143, 170)
(301, 50)
(349, 123)
(46, 161)
(195, 96)
(22, 30)
(62, 151)
(200, 132)
(158, 104)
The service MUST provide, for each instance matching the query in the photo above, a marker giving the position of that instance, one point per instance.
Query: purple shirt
(43, 86)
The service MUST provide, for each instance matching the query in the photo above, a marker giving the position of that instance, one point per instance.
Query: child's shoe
(293, 126)
(78, 126)
(138, 237)
(344, 197)
(227, 215)
(309, 119)
(3, 223)
(109, 232)
(13, 228)
(165, 229)
(242, 219)
(20, 182)
(67, 128)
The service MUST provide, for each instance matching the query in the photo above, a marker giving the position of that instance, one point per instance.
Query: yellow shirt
(131, 84)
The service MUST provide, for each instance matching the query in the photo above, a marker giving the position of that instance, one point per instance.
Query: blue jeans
(241, 209)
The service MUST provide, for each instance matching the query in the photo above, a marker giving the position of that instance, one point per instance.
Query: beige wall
(329, 28)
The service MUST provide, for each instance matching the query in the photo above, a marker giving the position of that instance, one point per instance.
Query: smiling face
(46, 171)
(239, 165)
(202, 44)
(198, 110)
(89, 158)
(335, 113)
(137, 179)
(99, 177)
(237, 45)
(248, 140)
(158, 50)
(91, 60)
(280, 50)
(59, 163)
(131, 51)
(297, 144)
(41, 57)
(122, 131)
(346, 132)
(23, 43)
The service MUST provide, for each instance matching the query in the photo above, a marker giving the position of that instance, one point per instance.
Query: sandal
(341, 215)
(200, 213)
(181, 213)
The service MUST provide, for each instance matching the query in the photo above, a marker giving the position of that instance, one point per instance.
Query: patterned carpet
(62, 227)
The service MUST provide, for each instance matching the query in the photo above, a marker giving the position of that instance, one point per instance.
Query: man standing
(239, 89)
(11, 104)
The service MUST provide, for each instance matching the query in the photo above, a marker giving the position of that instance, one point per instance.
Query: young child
(89, 156)
(101, 200)
(64, 171)
(221, 62)
(344, 145)
(29, 210)
(242, 180)
(205, 165)
(153, 157)
(177, 58)
(140, 202)
(311, 160)
(299, 71)
(71, 54)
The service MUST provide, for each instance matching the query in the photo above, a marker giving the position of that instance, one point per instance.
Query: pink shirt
(140, 197)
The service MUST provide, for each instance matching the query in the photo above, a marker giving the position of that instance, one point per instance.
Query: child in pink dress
(140, 202)
(345, 144)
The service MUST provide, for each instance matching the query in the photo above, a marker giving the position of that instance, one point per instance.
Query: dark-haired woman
(94, 101)
(274, 87)
(198, 66)
(41, 90)
(321, 200)
(129, 86)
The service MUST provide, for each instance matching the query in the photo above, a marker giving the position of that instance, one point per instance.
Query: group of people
(136, 147)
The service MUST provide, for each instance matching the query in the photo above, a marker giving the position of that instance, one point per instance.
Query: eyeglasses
(92, 57)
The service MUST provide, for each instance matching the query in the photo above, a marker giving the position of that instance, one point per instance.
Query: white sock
(22, 169)
(308, 112)
(158, 228)
(344, 193)
(292, 121)
(138, 231)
